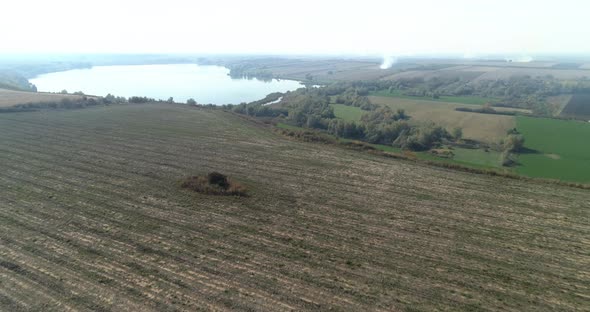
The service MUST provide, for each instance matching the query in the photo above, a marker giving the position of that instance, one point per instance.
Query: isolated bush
(457, 133)
(514, 143)
(214, 183)
(307, 135)
(422, 139)
(508, 159)
(216, 178)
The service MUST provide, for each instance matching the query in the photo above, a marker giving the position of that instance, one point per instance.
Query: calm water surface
(206, 84)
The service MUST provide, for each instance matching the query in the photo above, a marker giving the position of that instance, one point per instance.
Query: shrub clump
(214, 183)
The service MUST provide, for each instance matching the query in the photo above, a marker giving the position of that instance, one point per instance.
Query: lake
(205, 84)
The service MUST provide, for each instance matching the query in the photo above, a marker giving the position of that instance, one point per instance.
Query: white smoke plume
(388, 61)
(520, 59)
(524, 59)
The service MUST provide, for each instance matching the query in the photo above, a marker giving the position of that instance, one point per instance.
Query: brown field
(322, 69)
(341, 70)
(92, 218)
(563, 74)
(488, 63)
(10, 98)
(479, 72)
(481, 127)
(462, 71)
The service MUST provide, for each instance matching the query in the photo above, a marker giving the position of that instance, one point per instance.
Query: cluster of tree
(518, 91)
(258, 110)
(394, 132)
(111, 99)
(249, 71)
(304, 107)
(422, 138)
(310, 108)
(513, 144)
(356, 97)
(486, 109)
(272, 97)
(13, 81)
(140, 99)
(384, 115)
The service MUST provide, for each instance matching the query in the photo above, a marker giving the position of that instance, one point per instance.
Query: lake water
(205, 84)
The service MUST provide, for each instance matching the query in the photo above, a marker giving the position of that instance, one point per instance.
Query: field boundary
(305, 136)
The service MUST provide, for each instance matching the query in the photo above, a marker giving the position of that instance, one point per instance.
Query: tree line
(311, 108)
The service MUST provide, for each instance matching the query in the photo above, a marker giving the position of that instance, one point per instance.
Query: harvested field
(563, 74)
(322, 70)
(455, 72)
(475, 73)
(482, 127)
(92, 218)
(10, 98)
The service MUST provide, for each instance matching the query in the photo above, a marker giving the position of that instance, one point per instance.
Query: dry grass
(92, 218)
(10, 98)
(513, 109)
(481, 127)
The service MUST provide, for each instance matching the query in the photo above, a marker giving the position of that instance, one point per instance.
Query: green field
(476, 157)
(92, 218)
(561, 149)
(473, 158)
(472, 100)
(350, 113)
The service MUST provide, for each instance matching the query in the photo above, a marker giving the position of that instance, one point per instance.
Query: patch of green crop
(559, 149)
(349, 113)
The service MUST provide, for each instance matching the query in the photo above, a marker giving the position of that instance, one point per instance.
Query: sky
(467, 27)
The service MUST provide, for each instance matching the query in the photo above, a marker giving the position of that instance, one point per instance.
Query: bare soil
(92, 218)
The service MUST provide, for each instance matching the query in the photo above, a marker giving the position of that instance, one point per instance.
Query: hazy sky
(469, 27)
